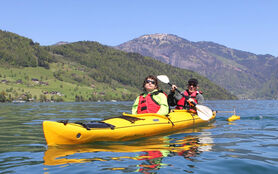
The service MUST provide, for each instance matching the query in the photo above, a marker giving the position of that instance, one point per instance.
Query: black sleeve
(172, 101)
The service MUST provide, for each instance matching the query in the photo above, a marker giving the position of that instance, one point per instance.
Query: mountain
(82, 71)
(21, 51)
(270, 87)
(243, 73)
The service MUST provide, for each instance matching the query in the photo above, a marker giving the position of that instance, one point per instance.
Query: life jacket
(147, 104)
(181, 104)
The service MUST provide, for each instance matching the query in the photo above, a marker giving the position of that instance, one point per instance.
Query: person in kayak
(152, 100)
(195, 96)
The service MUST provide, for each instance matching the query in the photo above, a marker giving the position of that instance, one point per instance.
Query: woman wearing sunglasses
(152, 100)
(192, 92)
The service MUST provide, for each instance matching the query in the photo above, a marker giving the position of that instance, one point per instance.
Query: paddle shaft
(233, 112)
(225, 111)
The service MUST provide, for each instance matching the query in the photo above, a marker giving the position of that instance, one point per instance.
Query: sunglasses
(150, 81)
(192, 84)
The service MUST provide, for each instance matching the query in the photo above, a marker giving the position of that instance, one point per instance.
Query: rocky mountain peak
(160, 37)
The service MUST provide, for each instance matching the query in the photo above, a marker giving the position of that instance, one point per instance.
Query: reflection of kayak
(58, 155)
(123, 128)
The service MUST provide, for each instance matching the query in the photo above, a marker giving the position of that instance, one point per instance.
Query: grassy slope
(68, 88)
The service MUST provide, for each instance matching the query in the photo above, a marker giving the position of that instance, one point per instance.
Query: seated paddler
(152, 100)
(192, 94)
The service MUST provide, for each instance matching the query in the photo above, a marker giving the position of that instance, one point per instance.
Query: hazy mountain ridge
(243, 73)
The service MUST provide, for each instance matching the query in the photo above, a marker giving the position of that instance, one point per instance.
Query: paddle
(203, 112)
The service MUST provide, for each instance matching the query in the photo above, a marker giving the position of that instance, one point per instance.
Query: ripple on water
(248, 145)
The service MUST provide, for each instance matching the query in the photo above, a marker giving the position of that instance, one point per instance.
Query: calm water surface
(248, 145)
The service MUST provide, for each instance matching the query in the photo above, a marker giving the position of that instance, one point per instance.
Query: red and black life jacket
(147, 104)
(182, 102)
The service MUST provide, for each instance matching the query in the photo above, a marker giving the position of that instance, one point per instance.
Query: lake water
(248, 145)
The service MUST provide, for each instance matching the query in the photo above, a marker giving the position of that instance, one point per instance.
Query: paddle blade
(163, 78)
(204, 112)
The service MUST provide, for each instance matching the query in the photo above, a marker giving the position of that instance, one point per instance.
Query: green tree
(3, 96)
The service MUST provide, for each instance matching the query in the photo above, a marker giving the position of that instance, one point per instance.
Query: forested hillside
(82, 71)
(22, 52)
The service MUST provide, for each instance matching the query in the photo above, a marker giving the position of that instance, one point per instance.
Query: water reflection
(248, 144)
(148, 153)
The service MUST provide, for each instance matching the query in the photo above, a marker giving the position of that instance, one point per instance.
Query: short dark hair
(150, 77)
(193, 81)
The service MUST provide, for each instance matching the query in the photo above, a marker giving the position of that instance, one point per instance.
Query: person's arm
(161, 99)
(135, 106)
(178, 96)
(171, 99)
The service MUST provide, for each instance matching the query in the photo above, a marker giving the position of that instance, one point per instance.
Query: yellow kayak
(123, 128)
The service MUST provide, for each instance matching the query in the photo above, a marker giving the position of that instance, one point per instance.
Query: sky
(247, 25)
